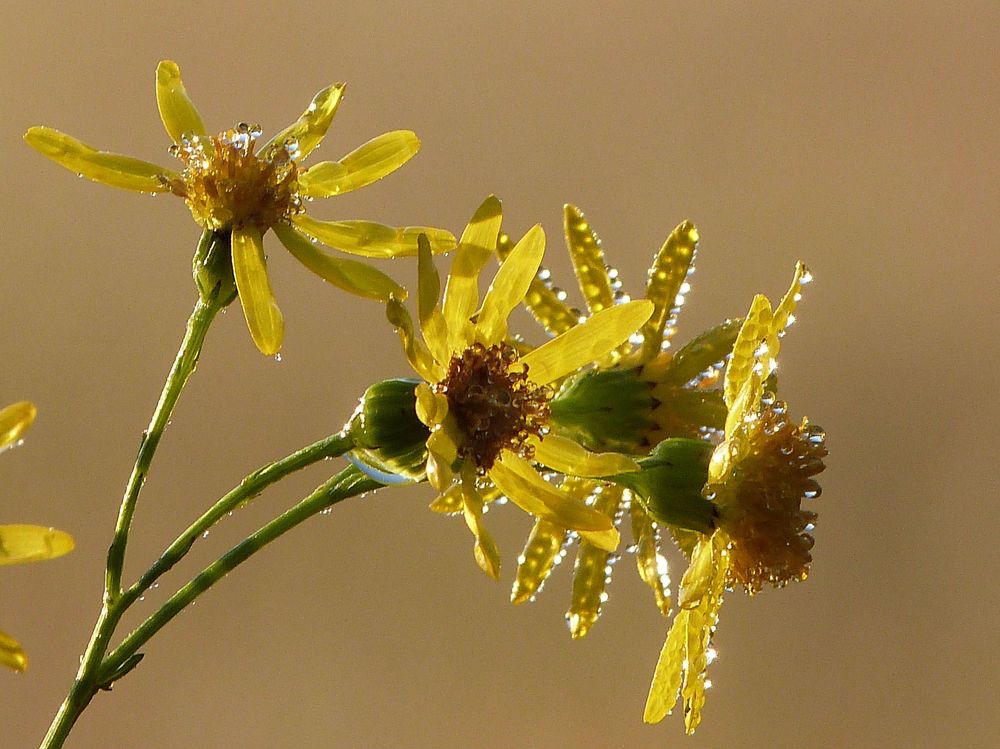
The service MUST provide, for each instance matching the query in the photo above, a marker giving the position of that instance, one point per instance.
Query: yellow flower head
(234, 185)
(24, 543)
(758, 476)
(487, 405)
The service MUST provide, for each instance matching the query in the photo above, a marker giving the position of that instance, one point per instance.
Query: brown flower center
(771, 533)
(494, 404)
(228, 186)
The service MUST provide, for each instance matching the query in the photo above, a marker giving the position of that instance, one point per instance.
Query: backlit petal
(32, 543)
(14, 422)
(416, 350)
(510, 285)
(592, 571)
(588, 260)
(366, 164)
(307, 132)
(699, 574)
(486, 550)
(11, 654)
(587, 342)
(267, 327)
(432, 323)
(372, 239)
(666, 278)
(566, 456)
(783, 313)
(543, 300)
(349, 275)
(652, 564)
(441, 454)
(100, 166)
(179, 114)
(537, 560)
(753, 333)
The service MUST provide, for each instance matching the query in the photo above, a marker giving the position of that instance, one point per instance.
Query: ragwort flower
(487, 406)
(639, 394)
(757, 478)
(23, 543)
(236, 188)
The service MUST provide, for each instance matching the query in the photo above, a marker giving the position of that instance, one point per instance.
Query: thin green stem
(349, 482)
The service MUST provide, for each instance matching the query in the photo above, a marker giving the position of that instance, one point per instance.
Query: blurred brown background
(860, 137)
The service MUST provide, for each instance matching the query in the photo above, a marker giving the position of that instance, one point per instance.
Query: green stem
(349, 482)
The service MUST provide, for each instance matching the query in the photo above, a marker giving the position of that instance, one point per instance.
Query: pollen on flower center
(494, 404)
(227, 185)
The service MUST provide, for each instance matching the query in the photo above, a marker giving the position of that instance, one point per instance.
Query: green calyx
(390, 441)
(669, 486)
(212, 268)
(606, 410)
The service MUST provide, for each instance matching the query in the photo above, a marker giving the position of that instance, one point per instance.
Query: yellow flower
(654, 395)
(486, 405)
(757, 478)
(23, 543)
(233, 187)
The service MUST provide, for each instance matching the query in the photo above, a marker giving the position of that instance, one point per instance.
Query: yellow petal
(486, 550)
(370, 239)
(588, 260)
(32, 543)
(587, 342)
(669, 671)
(307, 132)
(666, 279)
(432, 323)
(448, 502)
(349, 275)
(650, 561)
(416, 351)
(100, 166)
(537, 560)
(441, 455)
(783, 313)
(521, 483)
(11, 654)
(14, 422)
(461, 293)
(566, 456)
(543, 300)
(267, 327)
(746, 402)
(510, 285)
(752, 333)
(366, 164)
(699, 574)
(180, 116)
(431, 407)
(592, 573)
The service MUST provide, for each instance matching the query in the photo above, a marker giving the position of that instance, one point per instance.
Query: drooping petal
(566, 456)
(100, 166)
(32, 543)
(486, 550)
(267, 327)
(753, 332)
(432, 407)
(666, 279)
(369, 163)
(588, 260)
(699, 575)
(416, 350)
(592, 571)
(650, 561)
(349, 275)
(432, 324)
(510, 285)
(543, 546)
(521, 483)
(14, 422)
(448, 502)
(179, 114)
(11, 653)
(587, 342)
(371, 239)
(461, 294)
(441, 454)
(307, 132)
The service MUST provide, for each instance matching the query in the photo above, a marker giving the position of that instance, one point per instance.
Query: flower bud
(212, 268)
(391, 442)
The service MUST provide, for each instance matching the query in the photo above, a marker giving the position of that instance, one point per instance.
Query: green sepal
(670, 483)
(212, 268)
(606, 410)
(389, 437)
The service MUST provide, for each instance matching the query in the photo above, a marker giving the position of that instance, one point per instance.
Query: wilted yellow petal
(783, 313)
(510, 285)
(537, 560)
(309, 129)
(416, 350)
(11, 654)
(100, 166)
(366, 164)
(587, 342)
(448, 502)
(14, 422)
(521, 483)
(180, 116)
(349, 275)
(267, 327)
(566, 456)
(650, 561)
(371, 239)
(666, 277)
(441, 454)
(588, 260)
(432, 323)
(461, 294)
(486, 550)
(32, 543)
(753, 332)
